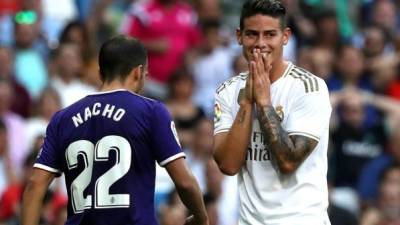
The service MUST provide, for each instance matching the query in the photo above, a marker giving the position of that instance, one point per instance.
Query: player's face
(264, 33)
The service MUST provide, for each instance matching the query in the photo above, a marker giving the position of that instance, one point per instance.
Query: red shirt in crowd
(176, 24)
(9, 6)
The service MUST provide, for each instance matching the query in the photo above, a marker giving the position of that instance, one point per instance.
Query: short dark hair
(273, 8)
(119, 55)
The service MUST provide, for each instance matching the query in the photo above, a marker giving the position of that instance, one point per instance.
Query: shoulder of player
(144, 98)
(305, 80)
(232, 82)
(149, 103)
(130, 99)
(146, 102)
(58, 117)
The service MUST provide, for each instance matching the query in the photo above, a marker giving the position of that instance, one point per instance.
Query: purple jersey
(106, 145)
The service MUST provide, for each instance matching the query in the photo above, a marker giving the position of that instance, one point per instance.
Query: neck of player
(277, 70)
(117, 84)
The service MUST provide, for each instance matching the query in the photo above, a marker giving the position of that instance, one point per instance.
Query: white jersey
(266, 196)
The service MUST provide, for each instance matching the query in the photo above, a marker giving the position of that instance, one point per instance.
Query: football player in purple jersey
(107, 144)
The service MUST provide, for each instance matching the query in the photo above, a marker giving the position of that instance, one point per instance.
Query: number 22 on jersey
(91, 154)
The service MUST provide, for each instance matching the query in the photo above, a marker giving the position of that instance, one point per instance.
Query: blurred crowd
(48, 60)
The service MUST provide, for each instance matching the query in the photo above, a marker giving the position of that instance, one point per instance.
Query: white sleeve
(310, 114)
(223, 118)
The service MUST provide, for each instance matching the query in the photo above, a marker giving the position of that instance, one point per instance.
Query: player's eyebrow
(263, 31)
(273, 32)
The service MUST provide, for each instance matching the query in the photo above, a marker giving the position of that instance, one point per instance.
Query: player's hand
(191, 220)
(260, 68)
(246, 94)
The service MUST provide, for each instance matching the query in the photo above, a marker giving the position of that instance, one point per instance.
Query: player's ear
(143, 71)
(136, 73)
(286, 35)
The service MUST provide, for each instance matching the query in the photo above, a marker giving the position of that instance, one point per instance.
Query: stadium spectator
(168, 29)
(372, 172)
(224, 189)
(386, 209)
(68, 65)
(46, 106)
(200, 151)
(6, 173)
(184, 111)
(353, 143)
(22, 103)
(30, 53)
(15, 126)
(211, 66)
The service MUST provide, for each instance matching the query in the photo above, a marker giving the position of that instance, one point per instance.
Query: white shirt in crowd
(71, 92)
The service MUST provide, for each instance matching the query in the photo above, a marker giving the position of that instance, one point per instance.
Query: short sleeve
(310, 113)
(48, 159)
(223, 118)
(165, 141)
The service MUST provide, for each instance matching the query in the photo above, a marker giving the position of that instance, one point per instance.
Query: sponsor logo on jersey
(258, 150)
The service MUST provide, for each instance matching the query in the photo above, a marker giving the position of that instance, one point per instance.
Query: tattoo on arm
(289, 151)
(242, 116)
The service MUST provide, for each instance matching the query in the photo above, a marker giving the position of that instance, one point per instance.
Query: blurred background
(48, 60)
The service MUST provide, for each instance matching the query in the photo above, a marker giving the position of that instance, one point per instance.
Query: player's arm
(230, 147)
(288, 151)
(188, 190)
(34, 193)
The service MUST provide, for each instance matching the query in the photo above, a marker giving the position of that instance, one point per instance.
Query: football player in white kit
(271, 127)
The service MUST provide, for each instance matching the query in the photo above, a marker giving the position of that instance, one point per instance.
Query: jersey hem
(172, 158)
(305, 134)
(47, 168)
(221, 130)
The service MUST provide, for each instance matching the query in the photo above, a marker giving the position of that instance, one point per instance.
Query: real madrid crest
(279, 112)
